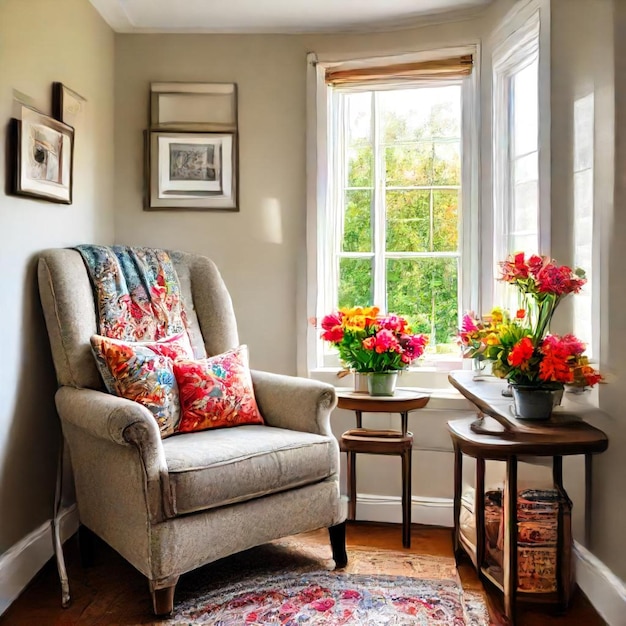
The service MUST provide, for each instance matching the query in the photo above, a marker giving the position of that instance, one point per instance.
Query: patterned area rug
(292, 582)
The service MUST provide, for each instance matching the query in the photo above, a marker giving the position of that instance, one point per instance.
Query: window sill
(430, 380)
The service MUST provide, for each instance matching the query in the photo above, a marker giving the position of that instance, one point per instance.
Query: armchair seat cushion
(219, 467)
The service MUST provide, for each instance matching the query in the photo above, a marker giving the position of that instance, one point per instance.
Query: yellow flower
(492, 339)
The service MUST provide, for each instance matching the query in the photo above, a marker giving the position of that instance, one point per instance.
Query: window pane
(359, 116)
(445, 220)
(408, 221)
(425, 290)
(355, 282)
(526, 168)
(409, 165)
(357, 222)
(525, 207)
(410, 114)
(447, 163)
(525, 109)
(360, 166)
(524, 243)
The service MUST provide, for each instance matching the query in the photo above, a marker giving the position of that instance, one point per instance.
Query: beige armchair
(171, 505)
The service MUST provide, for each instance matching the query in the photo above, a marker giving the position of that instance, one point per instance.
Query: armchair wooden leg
(163, 596)
(338, 544)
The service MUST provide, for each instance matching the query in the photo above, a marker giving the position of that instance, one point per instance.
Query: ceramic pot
(360, 382)
(382, 383)
(535, 403)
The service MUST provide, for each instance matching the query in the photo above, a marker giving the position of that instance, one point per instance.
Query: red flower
(514, 268)
(558, 279)
(535, 263)
(557, 360)
(521, 353)
(333, 335)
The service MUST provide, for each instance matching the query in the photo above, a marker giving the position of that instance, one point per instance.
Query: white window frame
(310, 348)
(512, 53)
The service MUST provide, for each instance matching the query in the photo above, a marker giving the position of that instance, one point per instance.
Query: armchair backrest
(68, 306)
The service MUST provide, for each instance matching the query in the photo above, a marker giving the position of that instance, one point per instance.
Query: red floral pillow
(216, 392)
(142, 371)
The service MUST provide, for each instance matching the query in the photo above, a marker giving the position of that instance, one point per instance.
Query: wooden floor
(111, 592)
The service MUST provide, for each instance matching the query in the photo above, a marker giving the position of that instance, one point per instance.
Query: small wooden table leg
(510, 539)
(458, 478)
(479, 512)
(351, 468)
(406, 498)
(588, 495)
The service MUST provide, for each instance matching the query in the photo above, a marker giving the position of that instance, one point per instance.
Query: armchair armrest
(293, 402)
(126, 423)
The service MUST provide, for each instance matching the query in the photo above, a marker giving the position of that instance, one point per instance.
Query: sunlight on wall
(583, 214)
(267, 223)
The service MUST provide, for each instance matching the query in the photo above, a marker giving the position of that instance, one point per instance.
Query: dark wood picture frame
(41, 157)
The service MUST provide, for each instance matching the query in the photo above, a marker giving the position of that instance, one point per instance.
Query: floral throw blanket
(136, 292)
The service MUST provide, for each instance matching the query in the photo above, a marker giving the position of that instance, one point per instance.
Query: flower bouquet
(369, 342)
(522, 351)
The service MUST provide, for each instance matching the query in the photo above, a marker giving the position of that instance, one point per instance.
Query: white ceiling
(270, 16)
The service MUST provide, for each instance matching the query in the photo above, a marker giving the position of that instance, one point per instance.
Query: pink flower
(413, 346)
(394, 323)
(384, 341)
(467, 326)
(333, 319)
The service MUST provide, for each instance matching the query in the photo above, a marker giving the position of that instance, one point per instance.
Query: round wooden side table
(381, 441)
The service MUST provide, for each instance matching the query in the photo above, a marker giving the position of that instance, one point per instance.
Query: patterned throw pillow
(216, 392)
(142, 371)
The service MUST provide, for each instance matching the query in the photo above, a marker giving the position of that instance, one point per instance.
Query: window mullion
(379, 217)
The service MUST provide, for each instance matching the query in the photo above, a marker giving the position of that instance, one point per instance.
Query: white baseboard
(604, 589)
(23, 560)
(429, 511)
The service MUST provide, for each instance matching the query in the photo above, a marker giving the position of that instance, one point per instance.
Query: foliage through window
(396, 185)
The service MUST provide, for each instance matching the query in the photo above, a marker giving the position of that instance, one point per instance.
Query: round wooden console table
(380, 441)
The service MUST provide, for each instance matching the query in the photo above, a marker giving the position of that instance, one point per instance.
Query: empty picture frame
(191, 171)
(201, 107)
(42, 157)
(67, 105)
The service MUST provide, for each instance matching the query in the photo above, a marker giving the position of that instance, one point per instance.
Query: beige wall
(260, 250)
(583, 49)
(42, 41)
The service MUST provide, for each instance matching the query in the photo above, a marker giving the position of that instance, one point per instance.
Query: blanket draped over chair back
(136, 291)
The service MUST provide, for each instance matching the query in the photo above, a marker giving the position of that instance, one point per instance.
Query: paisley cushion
(216, 392)
(142, 371)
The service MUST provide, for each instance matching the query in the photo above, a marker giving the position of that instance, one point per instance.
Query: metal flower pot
(382, 383)
(534, 403)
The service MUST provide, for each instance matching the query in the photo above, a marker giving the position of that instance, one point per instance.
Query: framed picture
(192, 171)
(67, 105)
(42, 156)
